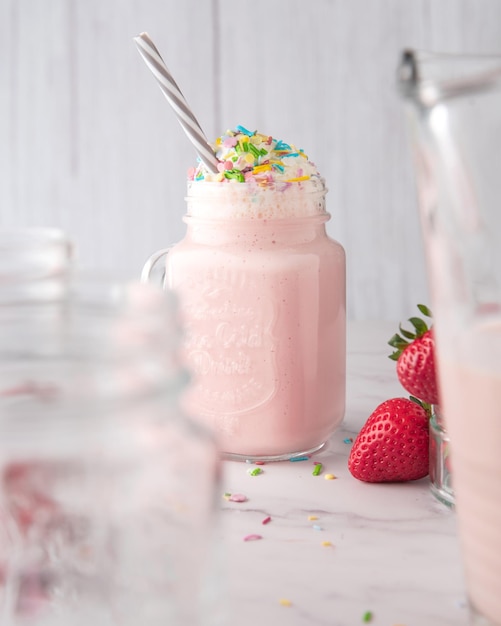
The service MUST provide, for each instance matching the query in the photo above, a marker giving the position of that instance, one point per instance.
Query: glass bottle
(453, 106)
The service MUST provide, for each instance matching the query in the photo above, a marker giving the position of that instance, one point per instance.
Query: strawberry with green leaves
(415, 357)
(393, 444)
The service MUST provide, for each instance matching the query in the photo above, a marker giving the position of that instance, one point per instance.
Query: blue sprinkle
(300, 458)
(316, 527)
(279, 167)
(244, 131)
(348, 440)
(291, 154)
(281, 145)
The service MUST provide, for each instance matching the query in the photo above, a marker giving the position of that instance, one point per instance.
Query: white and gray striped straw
(175, 98)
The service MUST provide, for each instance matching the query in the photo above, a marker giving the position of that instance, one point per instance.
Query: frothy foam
(248, 200)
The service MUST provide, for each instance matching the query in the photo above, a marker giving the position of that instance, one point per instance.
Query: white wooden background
(88, 143)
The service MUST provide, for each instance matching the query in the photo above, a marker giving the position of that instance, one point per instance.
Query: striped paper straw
(175, 98)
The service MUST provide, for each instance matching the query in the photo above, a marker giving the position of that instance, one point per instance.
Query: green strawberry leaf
(406, 333)
(424, 310)
(419, 324)
(397, 342)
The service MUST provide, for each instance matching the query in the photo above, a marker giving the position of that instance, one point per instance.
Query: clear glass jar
(453, 104)
(36, 263)
(440, 461)
(263, 299)
(107, 490)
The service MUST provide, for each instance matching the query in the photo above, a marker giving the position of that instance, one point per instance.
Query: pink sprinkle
(229, 142)
(252, 537)
(191, 173)
(300, 171)
(266, 520)
(228, 165)
(259, 463)
(238, 497)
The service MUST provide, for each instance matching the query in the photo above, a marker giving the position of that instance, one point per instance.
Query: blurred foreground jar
(107, 491)
(453, 106)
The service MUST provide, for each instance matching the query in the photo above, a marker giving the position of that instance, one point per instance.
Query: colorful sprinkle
(255, 472)
(297, 179)
(252, 537)
(266, 520)
(348, 440)
(299, 458)
(312, 518)
(237, 497)
(248, 156)
(242, 129)
(367, 617)
(326, 544)
(259, 463)
(317, 527)
(317, 469)
(330, 477)
(285, 602)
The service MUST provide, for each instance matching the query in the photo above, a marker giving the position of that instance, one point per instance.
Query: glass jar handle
(151, 263)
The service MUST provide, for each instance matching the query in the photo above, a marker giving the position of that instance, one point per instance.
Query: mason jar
(263, 302)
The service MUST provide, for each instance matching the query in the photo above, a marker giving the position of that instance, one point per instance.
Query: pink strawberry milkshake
(470, 384)
(262, 292)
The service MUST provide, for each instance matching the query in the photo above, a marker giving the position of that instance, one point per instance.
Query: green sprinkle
(256, 471)
(317, 469)
(367, 617)
(255, 152)
(235, 174)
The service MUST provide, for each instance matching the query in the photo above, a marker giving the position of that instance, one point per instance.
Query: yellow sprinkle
(326, 544)
(242, 142)
(303, 155)
(298, 179)
(285, 602)
(261, 168)
(330, 477)
(312, 518)
(249, 157)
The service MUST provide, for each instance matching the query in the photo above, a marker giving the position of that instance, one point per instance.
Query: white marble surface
(394, 549)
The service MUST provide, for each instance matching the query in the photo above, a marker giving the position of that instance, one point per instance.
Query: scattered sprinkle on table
(317, 469)
(330, 477)
(317, 527)
(252, 537)
(237, 497)
(259, 463)
(326, 544)
(367, 617)
(312, 518)
(348, 440)
(255, 472)
(285, 602)
(299, 458)
(266, 520)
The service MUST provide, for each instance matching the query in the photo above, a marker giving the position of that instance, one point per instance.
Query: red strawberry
(393, 444)
(415, 357)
